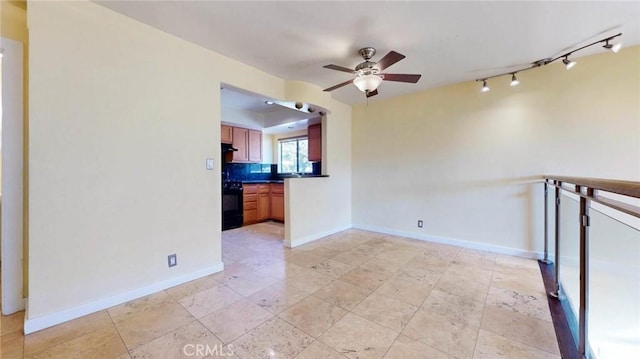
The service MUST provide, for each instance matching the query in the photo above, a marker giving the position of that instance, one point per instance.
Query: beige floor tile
(480, 274)
(353, 257)
(189, 288)
(458, 310)
(12, 346)
(522, 280)
(278, 297)
(250, 283)
(313, 315)
(438, 332)
(144, 326)
(377, 264)
(332, 268)
(420, 277)
(209, 300)
(306, 279)
(231, 270)
(304, 259)
(407, 348)
(405, 290)
(274, 338)
(392, 313)
(51, 337)
(235, 319)
(365, 278)
(475, 258)
(532, 304)
(434, 264)
(443, 252)
(99, 344)
(399, 255)
(262, 261)
(318, 350)
(522, 328)
(510, 262)
(492, 346)
(181, 343)
(469, 289)
(357, 337)
(11, 323)
(342, 294)
(149, 303)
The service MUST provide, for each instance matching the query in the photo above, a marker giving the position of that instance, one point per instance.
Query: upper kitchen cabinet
(248, 144)
(314, 134)
(255, 146)
(226, 134)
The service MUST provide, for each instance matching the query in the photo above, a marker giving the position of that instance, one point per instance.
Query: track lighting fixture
(485, 88)
(614, 48)
(546, 61)
(514, 80)
(568, 63)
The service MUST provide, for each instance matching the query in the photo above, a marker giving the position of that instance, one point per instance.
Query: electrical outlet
(172, 259)
(420, 223)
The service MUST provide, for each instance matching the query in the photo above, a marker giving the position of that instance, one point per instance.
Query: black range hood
(228, 148)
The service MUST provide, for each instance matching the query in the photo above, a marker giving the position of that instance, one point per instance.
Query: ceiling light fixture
(565, 60)
(367, 83)
(485, 88)
(568, 63)
(514, 80)
(614, 48)
(269, 102)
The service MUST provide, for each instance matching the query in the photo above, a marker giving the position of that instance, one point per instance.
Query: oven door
(232, 215)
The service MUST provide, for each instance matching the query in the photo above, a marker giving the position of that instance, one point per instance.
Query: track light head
(614, 48)
(485, 88)
(568, 63)
(514, 80)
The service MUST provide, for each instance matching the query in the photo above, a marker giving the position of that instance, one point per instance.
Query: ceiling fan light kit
(569, 64)
(368, 74)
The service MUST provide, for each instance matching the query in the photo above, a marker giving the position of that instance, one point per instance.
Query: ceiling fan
(368, 74)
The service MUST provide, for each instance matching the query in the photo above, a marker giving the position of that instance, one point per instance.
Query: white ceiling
(446, 42)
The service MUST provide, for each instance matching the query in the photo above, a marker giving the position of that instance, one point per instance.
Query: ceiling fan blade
(412, 78)
(372, 93)
(338, 86)
(389, 59)
(338, 68)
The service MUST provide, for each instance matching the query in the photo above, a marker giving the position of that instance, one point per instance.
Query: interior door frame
(11, 218)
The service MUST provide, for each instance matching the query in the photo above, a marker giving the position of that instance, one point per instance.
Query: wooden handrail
(627, 188)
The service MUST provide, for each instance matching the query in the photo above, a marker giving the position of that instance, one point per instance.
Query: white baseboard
(34, 324)
(313, 237)
(453, 242)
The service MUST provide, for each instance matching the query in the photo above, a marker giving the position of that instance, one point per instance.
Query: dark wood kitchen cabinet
(226, 134)
(314, 134)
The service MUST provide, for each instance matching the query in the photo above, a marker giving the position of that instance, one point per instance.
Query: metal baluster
(556, 292)
(583, 319)
(546, 223)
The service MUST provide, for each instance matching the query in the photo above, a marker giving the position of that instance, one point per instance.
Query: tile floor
(355, 294)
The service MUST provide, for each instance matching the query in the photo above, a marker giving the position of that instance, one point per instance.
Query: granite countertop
(281, 180)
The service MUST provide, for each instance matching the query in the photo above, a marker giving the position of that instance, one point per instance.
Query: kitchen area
(263, 141)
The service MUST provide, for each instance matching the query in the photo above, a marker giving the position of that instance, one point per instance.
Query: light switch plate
(209, 163)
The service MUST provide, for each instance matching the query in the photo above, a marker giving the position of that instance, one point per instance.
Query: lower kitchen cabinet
(277, 202)
(250, 204)
(263, 202)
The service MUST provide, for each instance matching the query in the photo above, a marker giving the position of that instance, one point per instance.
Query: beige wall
(463, 161)
(123, 117)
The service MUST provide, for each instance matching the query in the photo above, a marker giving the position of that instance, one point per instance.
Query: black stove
(232, 216)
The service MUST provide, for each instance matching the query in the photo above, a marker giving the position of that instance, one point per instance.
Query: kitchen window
(294, 155)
